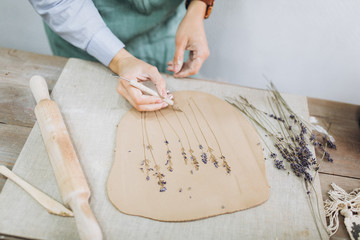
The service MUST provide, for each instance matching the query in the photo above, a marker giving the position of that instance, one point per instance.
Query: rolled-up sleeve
(80, 23)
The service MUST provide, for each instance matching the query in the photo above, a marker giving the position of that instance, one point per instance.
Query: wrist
(196, 9)
(120, 56)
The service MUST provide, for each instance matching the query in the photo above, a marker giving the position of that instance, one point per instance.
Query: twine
(341, 202)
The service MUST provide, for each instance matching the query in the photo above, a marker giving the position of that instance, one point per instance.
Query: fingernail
(164, 104)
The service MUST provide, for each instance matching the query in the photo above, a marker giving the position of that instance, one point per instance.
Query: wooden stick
(51, 205)
(70, 178)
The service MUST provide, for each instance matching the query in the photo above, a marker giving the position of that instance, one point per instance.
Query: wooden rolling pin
(70, 178)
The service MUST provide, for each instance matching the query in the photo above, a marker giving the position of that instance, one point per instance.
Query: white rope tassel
(346, 204)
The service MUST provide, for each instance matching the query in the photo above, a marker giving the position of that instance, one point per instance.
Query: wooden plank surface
(16, 67)
(343, 122)
(12, 141)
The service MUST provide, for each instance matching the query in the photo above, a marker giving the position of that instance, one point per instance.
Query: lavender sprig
(194, 159)
(160, 177)
(212, 157)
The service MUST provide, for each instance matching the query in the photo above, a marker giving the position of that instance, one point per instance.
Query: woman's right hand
(126, 65)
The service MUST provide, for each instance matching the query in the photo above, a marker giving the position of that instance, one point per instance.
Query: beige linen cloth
(86, 95)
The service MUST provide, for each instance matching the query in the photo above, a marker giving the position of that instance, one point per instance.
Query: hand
(190, 36)
(128, 66)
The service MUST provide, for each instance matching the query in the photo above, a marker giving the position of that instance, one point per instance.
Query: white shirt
(80, 23)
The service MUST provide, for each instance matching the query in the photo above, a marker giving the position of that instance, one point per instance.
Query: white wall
(308, 47)
(21, 27)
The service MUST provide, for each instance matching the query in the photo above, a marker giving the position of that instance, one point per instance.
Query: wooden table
(17, 119)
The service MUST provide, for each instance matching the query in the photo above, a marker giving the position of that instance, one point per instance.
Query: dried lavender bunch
(291, 135)
(291, 138)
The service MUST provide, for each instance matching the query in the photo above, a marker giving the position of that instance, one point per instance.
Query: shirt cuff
(104, 45)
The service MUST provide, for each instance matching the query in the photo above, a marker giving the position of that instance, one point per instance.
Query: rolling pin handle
(39, 88)
(86, 222)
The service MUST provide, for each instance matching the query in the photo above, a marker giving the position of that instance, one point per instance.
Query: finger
(170, 69)
(122, 91)
(180, 45)
(191, 67)
(151, 107)
(158, 80)
(196, 59)
(140, 107)
(144, 99)
(198, 54)
(143, 78)
(138, 98)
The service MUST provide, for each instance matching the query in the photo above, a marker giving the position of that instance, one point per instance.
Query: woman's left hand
(190, 36)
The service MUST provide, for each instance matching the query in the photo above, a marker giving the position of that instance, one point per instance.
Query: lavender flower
(279, 164)
(329, 143)
(183, 153)
(204, 158)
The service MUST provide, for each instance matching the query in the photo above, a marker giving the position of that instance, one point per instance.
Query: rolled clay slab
(190, 194)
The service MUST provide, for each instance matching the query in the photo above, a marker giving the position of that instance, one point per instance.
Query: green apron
(146, 27)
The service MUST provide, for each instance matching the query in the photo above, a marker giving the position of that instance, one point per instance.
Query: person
(153, 31)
